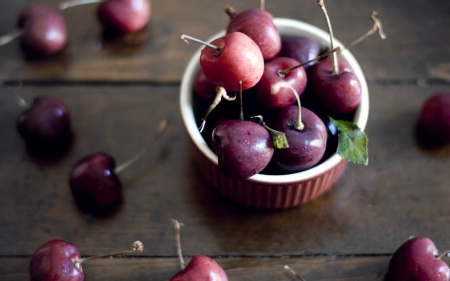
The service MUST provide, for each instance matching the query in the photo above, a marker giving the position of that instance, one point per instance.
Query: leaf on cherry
(352, 142)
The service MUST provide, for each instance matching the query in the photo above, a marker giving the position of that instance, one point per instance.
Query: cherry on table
(418, 260)
(125, 16)
(43, 28)
(46, 124)
(244, 148)
(60, 260)
(435, 116)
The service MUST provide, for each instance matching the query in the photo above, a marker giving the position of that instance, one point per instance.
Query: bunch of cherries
(270, 73)
(43, 31)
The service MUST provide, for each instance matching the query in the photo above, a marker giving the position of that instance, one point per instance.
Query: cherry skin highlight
(435, 116)
(306, 146)
(46, 123)
(243, 148)
(339, 93)
(55, 261)
(239, 60)
(44, 30)
(415, 260)
(93, 180)
(124, 16)
(258, 25)
(296, 78)
(201, 268)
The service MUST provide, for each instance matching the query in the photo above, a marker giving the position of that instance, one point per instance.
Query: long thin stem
(220, 92)
(262, 4)
(177, 226)
(241, 115)
(377, 27)
(290, 270)
(5, 39)
(136, 246)
(335, 58)
(72, 3)
(161, 128)
(283, 73)
(276, 87)
(187, 37)
(444, 253)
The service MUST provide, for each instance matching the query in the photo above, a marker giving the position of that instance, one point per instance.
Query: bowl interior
(285, 27)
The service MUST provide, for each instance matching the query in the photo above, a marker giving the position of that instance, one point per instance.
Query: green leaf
(352, 142)
(279, 140)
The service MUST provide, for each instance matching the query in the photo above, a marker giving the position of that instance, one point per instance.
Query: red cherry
(124, 16)
(435, 116)
(55, 261)
(203, 88)
(237, 60)
(44, 30)
(94, 180)
(201, 268)
(417, 260)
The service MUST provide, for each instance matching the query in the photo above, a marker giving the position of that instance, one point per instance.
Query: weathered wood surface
(416, 49)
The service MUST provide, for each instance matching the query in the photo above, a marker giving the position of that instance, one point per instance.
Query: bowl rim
(286, 27)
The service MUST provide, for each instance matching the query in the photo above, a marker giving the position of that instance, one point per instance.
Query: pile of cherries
(270, 73)
(43, 30)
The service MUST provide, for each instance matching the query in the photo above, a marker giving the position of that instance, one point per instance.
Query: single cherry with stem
(339, 91)
(123, 16)
(42, 31)
(231, 60)
(306, 134)
(200, 267)
(61, 260)
(93, 179)
(417, 260)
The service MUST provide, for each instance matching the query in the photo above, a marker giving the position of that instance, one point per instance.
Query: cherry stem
(335, 58)
(187, 37)
(230, 11)
(282, 73)
(290, 270)
(241, 115)
(220, 92)
(441, 254)
(262, 4)
(5, 39)
(377, 26)
(136, 246)
(177, 226)
(161, 128)
(276, 87)
(19, 99)
(72, 3)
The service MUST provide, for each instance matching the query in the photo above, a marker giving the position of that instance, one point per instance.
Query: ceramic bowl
(270, 191)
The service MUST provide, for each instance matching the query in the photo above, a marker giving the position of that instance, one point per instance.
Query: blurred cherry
(125, 16)
(435, 116)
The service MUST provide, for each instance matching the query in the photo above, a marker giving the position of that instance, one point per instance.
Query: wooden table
(118, 91)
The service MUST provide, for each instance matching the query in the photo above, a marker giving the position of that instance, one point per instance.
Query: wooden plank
(370, 210)
(311, 268)
(415, 48)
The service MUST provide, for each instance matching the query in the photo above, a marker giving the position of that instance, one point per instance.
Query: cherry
(284, 97)
(60, 260)
(45, 124)
(199, 268)
(339, 91)
(258, 25)
(203, 88)
(299, 48)
(418, 260)
(233, 61)
(94, 180)
(244, 148)
(44, 30)
(124, 16)
(306, 134)
(435, 116)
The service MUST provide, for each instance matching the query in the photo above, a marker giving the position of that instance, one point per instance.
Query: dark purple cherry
(258, 25)
(306, 146)
(203, 88)
(299, 48)
(124, 16)
(435, 116)
(340, 93)
(295, 78)
(46, 123)
(243, 148)
(94, 180)
(55, 261)
(44, 30)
